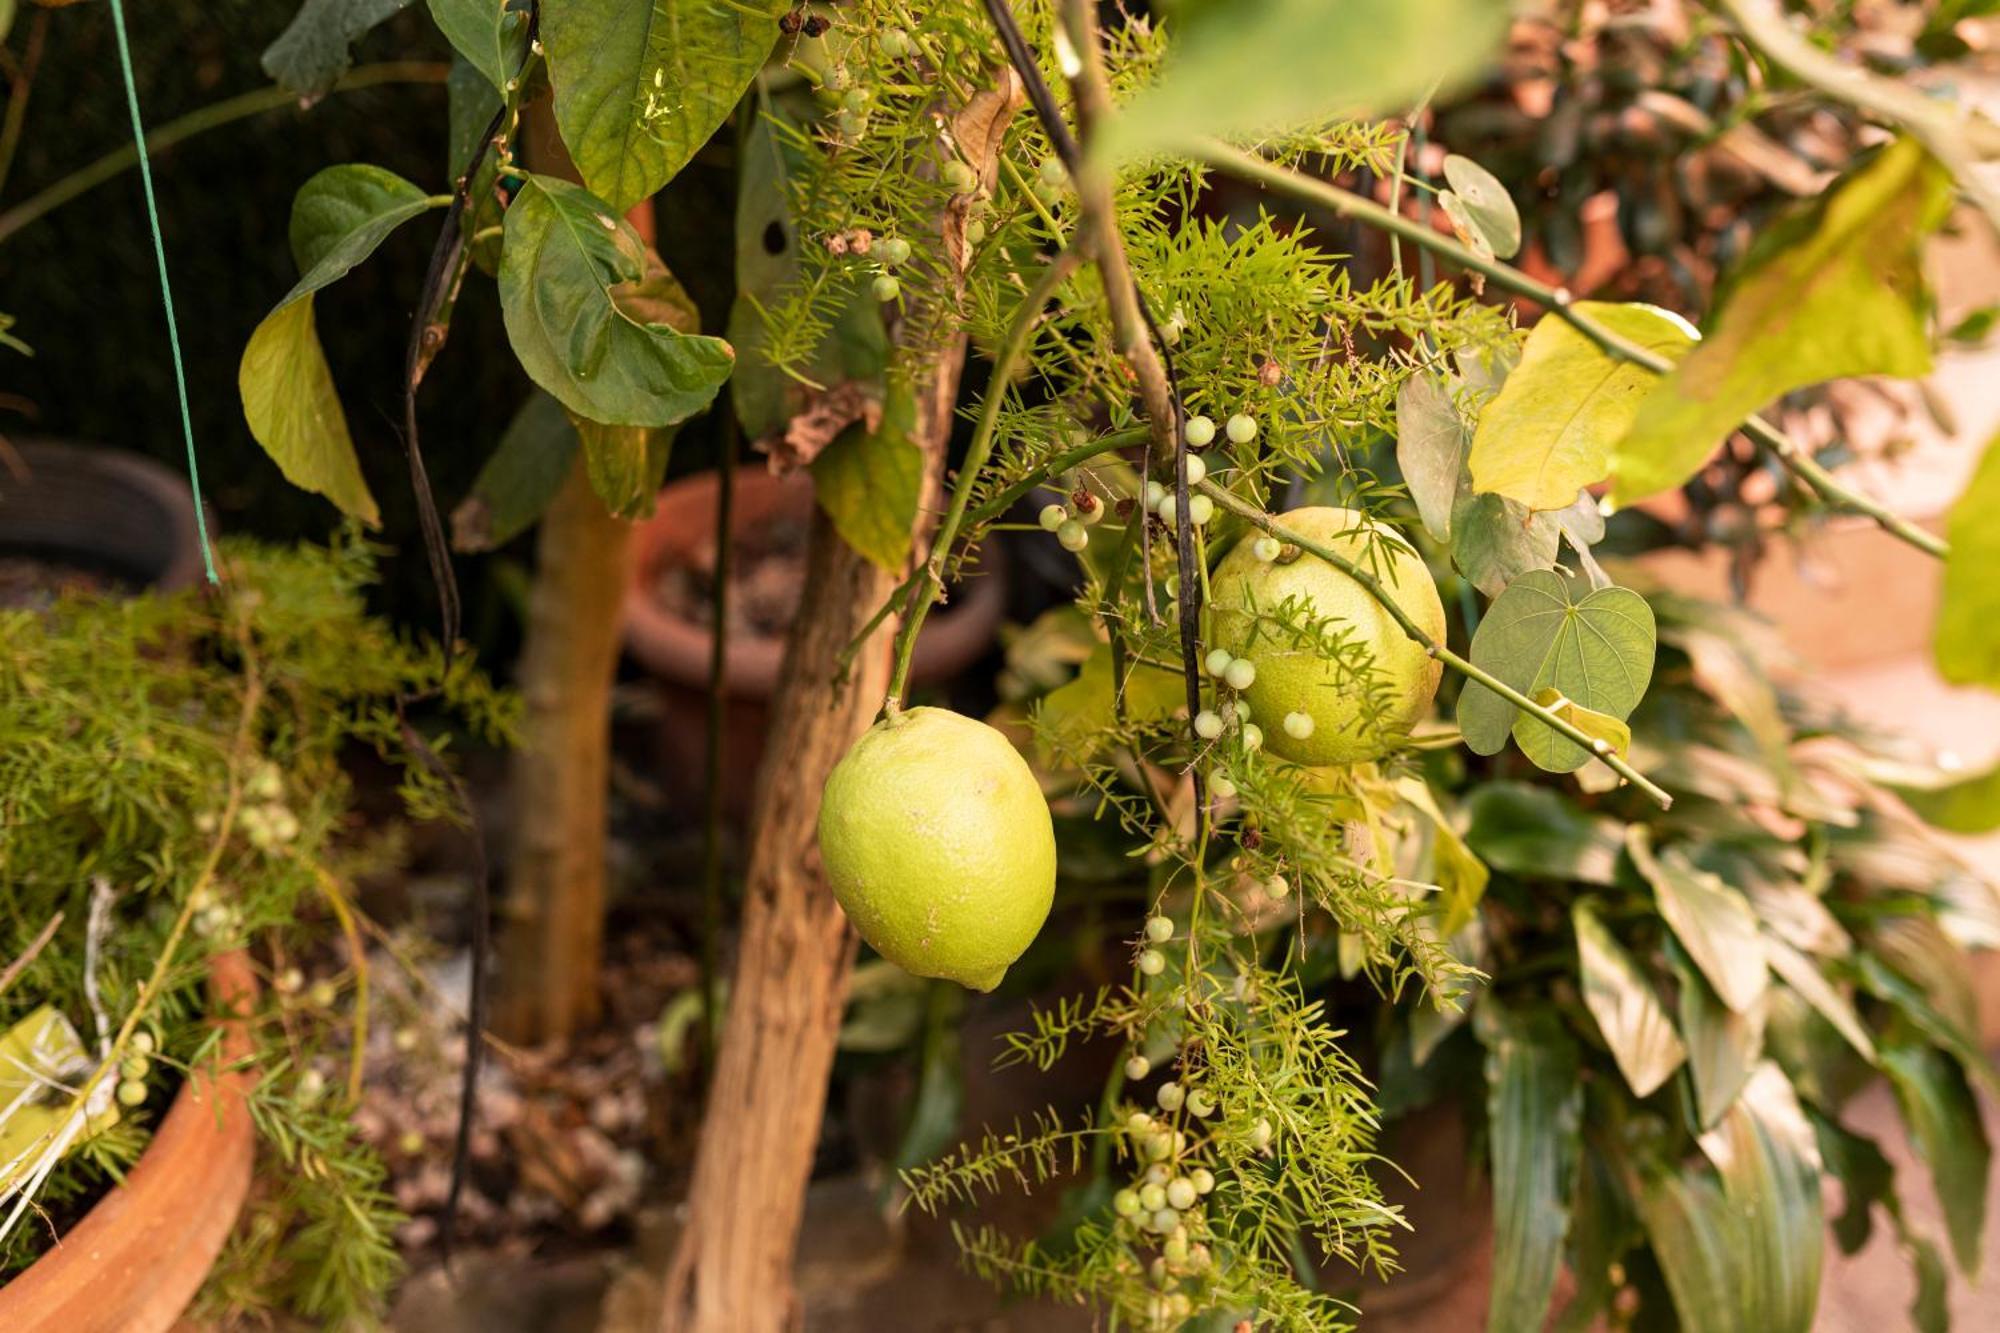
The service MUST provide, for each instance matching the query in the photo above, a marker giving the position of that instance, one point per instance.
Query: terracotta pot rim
(134, 1262)
(675, 649)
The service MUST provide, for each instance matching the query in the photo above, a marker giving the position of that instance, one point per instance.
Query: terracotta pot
(115, 514)
(135, 1261)
(676, 649)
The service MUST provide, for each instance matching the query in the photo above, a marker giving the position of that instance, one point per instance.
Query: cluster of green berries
(265, 818)
(894, 253)
(1071, 522)
(213, 918)
(1200, 431)
(1238, 674)
(133, 1069)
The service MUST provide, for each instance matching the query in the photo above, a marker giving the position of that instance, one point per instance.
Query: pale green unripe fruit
(1200, 510)
(1180, 1193)
(1217, 661)
(1072, 535)
(1240, 674)
(939, 846)
(1241, 429)
(1159, 929)
(1137, 1067)
(1200, 432)
(1293, 678)
(1053, 517)
(1197, 468)
(1208, 724)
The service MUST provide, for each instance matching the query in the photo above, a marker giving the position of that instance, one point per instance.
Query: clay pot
(135, 1261)
(110, 514)
(676, 649)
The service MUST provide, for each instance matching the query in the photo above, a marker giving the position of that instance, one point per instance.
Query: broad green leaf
(1460, 876)
(1536, 833)
(1866, 1179)
(289, 400)
(470, 104)
(933, 1122)
(856, 348)
(1802, 974)
(626, 464)
(1945, 1125)
(1765, 1151)
(1431, 440)
(1729, 671)
(1966, 643)
(1534, 1103)
(1613, 735)
(1602, 1230)
(1552, 427)
(1712, 921)
(567, 274)
(489, 33)
(641, 84)
(316, 48)
(870, 482)
(1916, 1004)
(1831, 294)
(1723, 1046)
(1072, 716)
(1250, 67)
(1628, 1011)
(1479, 204)
(520, 477)
(1495, 540)
(1968, 805)
(1596, 650)
(1698, 1241)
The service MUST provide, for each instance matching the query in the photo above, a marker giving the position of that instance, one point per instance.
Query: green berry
(1137, 1067)
(1299, 726)
(1266, 548)
(894, 251)
(1159, 1146)
(290, 981)
(1073, 535)
(1242, 706)
(1240, 674)
(322, 995)
(1241, 428)
(894, 43)
(853, 124)
(1159, 929)
(1139, 1122)
(1154, 494)
(1180, 1193)
(1253, 736)
(1089, 509)
(1200, 510)
(1152, 962)
(1203, 1178)
(131, 1092)
(1197, 468)
(1175, 1251)
(1153, 1198)
(975, 231)
(1126, 1203)
(1200, 432)
(1222, 786)
(135, 1067)
(1276, 887)
(961, 178)
(143, 1042)
(1260, 1134)
(1053, 172)
(1164, 1221)
(1208, 724)
(1169, 1096)
(1052, 517)
(1201, 1105)
(1168, 509)
(1217, 661)
(311, 1084)
(855, 99)
(885, 287)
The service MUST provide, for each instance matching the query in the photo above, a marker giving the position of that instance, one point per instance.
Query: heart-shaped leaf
(1628, 1011)
(1495, 540)
(1481, 204)
(1596, 651)
(574, 296)
(1431, 440)
(1552, 426)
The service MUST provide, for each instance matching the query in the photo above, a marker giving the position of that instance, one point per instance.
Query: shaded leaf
(1831, 294)
(1596, 650)
(490, 35)
(470, 103)
(1966, 644)
(1866, 1178)
(1312, 62)
(1629, 1014)
(1073, 715)
(1483, 202)
(1723, 1046)
(1495, 540)
(520, 478)
(1768, 1158)
(640, 85)
(1804, 976)
(316, 48)
(1537, 833)
(1712, 921)
(870, 482)
(1534, 1103)
(567, 266)
(1552, 427)
(1945, 1125)
(626, 464)
(1460, 876)
(1431, 440)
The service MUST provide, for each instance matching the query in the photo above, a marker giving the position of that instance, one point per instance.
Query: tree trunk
(732, 1268)
(551, 947)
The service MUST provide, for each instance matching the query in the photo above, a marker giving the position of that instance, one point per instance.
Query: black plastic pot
(96, 513)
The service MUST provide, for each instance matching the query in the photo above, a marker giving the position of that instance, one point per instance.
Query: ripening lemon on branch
(1294, 677)
(939, 846)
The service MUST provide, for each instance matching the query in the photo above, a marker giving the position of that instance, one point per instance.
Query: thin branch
(1595, 745)
(1559, 301)
(21, 964)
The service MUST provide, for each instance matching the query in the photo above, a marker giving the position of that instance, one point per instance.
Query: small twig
(1559, 302)
(21, 82)
(28, 955)
(1596, 746)
(343, 912)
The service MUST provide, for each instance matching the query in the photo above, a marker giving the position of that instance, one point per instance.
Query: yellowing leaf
(294, 410)
(1551, 429)
(1823, 296)
(1968, 627)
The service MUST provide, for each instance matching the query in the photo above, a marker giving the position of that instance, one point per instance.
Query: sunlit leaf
(1712, 921)
(1431, 440)
(1609, 732)
(1533, 1106)
(1723, 1046)
(1803, 975)
(1966, 643)
(1479, 206)
(1596, 650)
(641, 84)
(1967, 805)
(1553, 425)
(568, 263)
(1829, 294)
(1627, 1009)
(1253, 66)
(1765, 1151)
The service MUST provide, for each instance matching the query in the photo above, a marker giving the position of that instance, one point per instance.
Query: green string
(166, 288)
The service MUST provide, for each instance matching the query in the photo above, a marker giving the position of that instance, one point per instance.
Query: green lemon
(939, 846)
(1293, 677)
